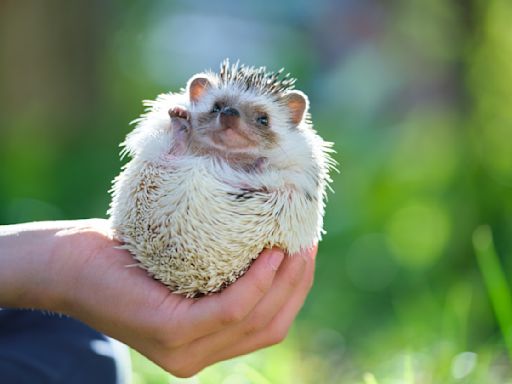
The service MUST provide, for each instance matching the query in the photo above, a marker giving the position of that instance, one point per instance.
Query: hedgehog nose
(229, 111)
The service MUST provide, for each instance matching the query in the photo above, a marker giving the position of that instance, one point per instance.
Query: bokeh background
(416, 95)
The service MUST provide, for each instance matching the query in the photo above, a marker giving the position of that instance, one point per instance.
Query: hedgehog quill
(221, 170)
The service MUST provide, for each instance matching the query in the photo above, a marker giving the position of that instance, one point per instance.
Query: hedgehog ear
(196, 86)
(297, 103)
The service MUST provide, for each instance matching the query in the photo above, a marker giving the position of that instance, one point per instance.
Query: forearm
(27, 273)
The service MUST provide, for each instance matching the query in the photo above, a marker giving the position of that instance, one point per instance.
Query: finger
(213, 313)
(201, 352)
(276, 330)
(289, 277)
(297, 271)
(291, 285)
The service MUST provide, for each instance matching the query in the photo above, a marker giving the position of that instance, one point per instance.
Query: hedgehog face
(236, 115)
(232, 121)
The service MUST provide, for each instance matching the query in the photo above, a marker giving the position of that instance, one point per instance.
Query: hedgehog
(219, 171)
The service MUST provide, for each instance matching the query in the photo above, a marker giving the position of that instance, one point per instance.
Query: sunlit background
(416, 95)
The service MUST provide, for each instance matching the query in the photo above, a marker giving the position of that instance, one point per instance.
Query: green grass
(495, 282)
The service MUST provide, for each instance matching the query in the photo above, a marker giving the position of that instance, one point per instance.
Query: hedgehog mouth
(227, 140)
(232, 139)
(242, 158)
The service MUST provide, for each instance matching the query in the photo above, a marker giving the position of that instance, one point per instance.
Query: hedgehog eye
(262, 120)
(216, 108)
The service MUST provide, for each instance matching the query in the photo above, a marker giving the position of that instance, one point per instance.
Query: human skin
(74, 268)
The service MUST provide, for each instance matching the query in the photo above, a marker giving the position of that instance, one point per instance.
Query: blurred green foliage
(416, 95)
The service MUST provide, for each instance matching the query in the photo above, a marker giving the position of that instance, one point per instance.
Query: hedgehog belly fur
(197, 230)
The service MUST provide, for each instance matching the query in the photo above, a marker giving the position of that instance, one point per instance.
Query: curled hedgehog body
(204, 194)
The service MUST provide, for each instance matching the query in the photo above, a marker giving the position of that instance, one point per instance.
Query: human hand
(181, 335)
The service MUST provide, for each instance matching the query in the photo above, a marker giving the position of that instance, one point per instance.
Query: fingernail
(276, 257)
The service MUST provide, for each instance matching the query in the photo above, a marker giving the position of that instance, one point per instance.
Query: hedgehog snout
(229, 118)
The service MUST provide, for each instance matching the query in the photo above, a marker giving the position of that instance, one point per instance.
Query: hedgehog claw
(179, 112)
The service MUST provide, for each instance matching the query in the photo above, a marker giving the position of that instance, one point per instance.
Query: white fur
(185, 219)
